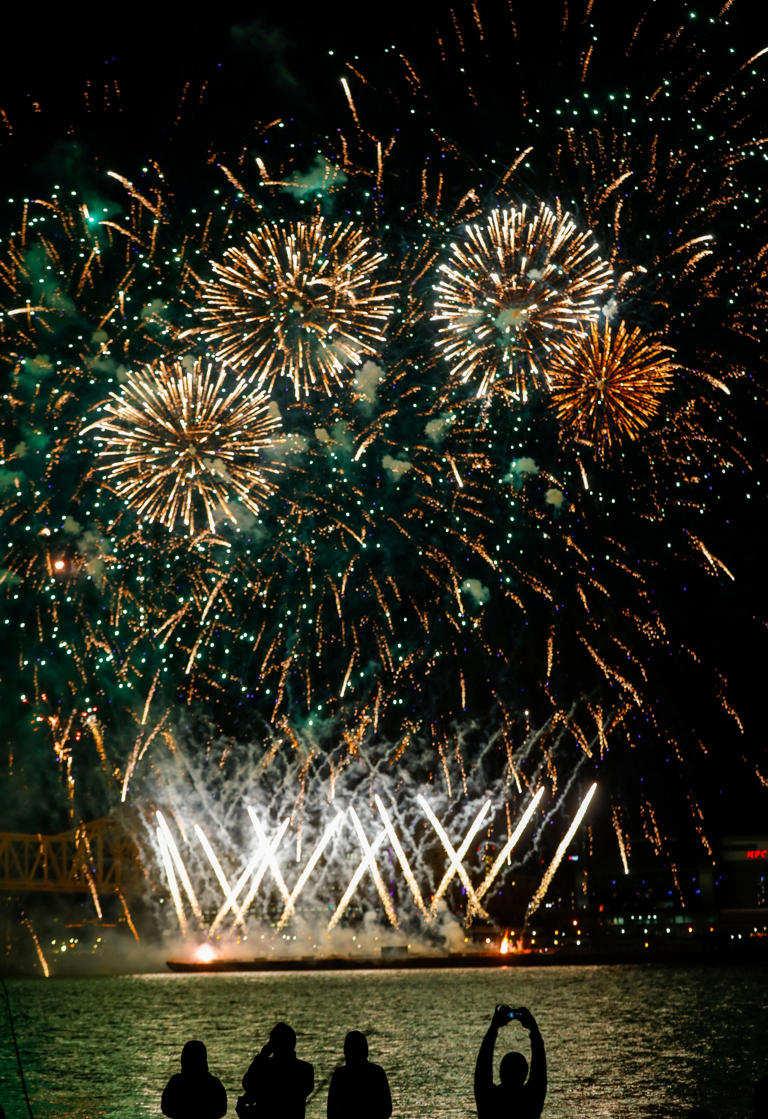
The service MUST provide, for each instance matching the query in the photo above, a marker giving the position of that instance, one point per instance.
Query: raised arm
(484, 1062)
(537, 1078)
(255, 1071)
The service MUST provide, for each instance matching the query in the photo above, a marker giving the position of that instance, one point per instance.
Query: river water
(621, 1040)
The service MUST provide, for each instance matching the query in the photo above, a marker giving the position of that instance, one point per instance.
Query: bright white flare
(549, 874)
(265, 858)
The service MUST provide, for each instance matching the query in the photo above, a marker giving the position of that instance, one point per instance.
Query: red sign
(756, 853)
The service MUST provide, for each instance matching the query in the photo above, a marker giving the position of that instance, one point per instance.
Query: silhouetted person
(760, 1099)
(277, 1083)
(512, 1098)
(193, 1093)
(359, 1089)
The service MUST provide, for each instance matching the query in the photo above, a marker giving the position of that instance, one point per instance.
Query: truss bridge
(96, 858)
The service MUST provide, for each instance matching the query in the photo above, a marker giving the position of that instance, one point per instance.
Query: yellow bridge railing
(95, 856)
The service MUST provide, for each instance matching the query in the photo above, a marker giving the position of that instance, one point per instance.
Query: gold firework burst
(511, 289)
(298, 300)
(180, 440)
(606, 383)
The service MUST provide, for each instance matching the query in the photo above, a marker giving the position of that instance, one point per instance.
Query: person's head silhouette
(194, 1059)
(513, 1070)
(355, 1048)
(282, 1040)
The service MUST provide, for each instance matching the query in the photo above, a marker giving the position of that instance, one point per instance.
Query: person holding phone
(513, 1098)
(277, 1083)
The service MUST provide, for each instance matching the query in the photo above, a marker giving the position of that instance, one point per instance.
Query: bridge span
(96, 858)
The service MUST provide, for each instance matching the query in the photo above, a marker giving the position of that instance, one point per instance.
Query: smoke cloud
(322, 176)
(397, 467)
(477, 590)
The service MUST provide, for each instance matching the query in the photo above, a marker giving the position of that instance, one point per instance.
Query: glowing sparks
(267, 855)
(562, 847)
(170, 876)
(370, 859)
(181, 441)
(512, 289)
(455, 865)
(510, 845)
(170, 846)
(205, 953)
(312, 862)
(299, 301)
(272, 846)
(620, 839)
(354, 882)
(606, 382)
(41, 958)
(401, 858)
(218, 871)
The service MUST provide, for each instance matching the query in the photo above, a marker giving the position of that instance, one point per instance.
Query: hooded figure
(359, 1089)
(193, 1093)
(277, 1084)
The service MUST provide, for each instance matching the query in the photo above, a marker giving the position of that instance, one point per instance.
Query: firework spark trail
(269, 856)
(173, 886)
(128, 917)
(355, 880)
(455, 865)
(367, 864)
(620, 839)
(370, 858)
(181, 870)
(290, 905)
(217, 870)
(509, 846)
(549, 874)
(86, 862)
(511, 290)
(298, 301)
(274, 843)
(177, 437)
(293, 786)
(43, 962)
(401, 858)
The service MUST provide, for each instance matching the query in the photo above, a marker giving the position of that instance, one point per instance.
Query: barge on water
(750, 952)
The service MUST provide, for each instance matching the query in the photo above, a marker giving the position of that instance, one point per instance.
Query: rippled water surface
(621, 1041)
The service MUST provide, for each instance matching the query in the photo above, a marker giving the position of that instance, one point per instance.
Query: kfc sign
(756, 853)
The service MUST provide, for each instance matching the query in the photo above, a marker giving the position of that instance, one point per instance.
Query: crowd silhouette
(278, 1084)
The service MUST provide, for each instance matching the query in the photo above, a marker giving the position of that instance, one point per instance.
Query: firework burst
(606, 383)
(179, 439)
(511, 289)
(298, 301)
